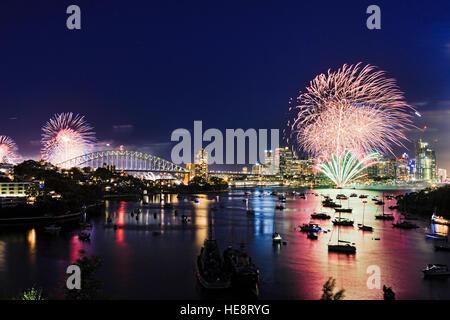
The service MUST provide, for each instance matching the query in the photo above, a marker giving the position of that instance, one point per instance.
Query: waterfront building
(244, 170)
(257, 168)
(14, 189)
(425, 162)
(200, 166)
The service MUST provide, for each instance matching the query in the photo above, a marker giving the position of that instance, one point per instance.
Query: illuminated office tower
(268, 162)
(425, 162)
(283, 161)
(200, 166)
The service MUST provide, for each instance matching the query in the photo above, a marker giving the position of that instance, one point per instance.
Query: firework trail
(8, 150)
(350, 114)
(66, 136)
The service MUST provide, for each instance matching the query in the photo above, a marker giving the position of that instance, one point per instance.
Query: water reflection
(139, 263)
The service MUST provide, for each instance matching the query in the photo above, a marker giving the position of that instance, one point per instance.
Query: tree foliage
(328, 291)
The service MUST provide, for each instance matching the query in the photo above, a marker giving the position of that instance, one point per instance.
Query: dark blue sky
(140, 69)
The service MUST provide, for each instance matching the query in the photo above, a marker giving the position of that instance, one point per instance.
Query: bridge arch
(134, 161)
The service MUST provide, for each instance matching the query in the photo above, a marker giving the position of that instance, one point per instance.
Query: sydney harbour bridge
(135, 162)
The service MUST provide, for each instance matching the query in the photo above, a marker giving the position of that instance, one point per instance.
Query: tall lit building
(268, 162)
(425, 162)
(200, 166)
(283, 161)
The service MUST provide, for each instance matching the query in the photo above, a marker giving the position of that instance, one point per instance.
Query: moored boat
(320, 216)
(436, 270)
(243, 272)
(347, 210)
(342, 222)
(210, 269)
(439, 220)
(310, 227)
(276, 238)
(437, 236)
(405, 225)
(342, 248)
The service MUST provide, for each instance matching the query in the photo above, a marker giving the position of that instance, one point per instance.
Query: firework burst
(66, 136)
(8, 150)
(349, 114)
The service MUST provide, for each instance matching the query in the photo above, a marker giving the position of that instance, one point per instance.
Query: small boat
(442, 248)
(342, 248)
(363, 196)
(379, 202)
(310, 227)
(276, 238)
(52, 228)
(437, 236)
(384, 217)
(353, 195)
(343, 222)
(320, 216)
(405, 225)
(394, 207)
(439, 220)
(361, 225)
(436, 270)
(348, 210)
(364, 227)
(341, 197)
(244, 273)
(330, 203)
(84, 235)
(210, 269)
(312, 235)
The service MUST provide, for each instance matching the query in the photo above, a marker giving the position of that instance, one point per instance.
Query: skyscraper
(425, 162)
(283, 161)
(268, 162)
(200, 166)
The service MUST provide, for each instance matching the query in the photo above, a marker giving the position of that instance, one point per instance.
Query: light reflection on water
(141, 265)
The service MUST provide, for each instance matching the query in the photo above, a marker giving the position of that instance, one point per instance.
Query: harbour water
(139, 264)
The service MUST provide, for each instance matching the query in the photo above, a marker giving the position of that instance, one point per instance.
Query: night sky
(140, 69)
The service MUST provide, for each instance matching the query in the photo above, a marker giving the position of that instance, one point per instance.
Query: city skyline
(239, 81)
